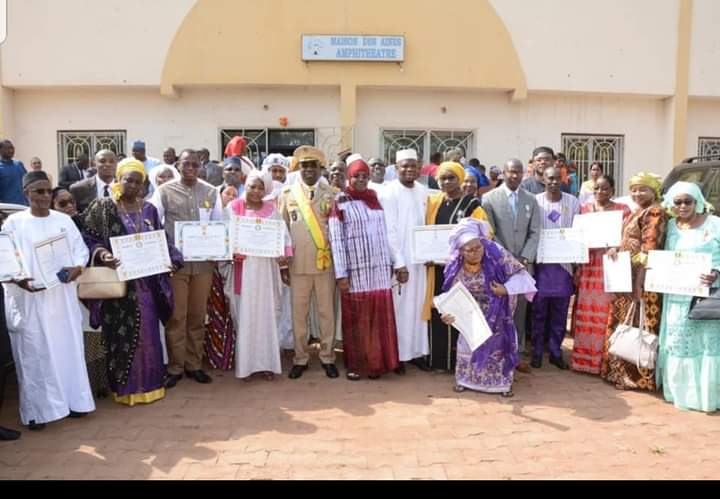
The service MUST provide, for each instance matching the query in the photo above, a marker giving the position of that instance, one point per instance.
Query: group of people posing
(348, 254)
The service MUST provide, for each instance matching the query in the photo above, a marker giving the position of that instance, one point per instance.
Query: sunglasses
(41, 192)
(238, 169)
(686, 202)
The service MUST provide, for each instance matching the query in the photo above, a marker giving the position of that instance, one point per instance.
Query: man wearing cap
(377, 174)
(235, 171)
(277, 166)
(138, 152)
(43, 312)
(190, 199)
(405, 201)
(305, 206)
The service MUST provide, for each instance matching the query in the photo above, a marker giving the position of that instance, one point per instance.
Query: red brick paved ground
(560, 425)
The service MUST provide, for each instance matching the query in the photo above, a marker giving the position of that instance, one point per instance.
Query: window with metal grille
(264, 141)
(425, 142)
(72, 144)
(708, 146)
(585, 150)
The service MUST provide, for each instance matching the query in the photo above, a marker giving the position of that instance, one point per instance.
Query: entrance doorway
(264, 141)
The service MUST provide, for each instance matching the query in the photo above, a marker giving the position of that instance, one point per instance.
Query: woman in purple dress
(130, 324)
(492, 276)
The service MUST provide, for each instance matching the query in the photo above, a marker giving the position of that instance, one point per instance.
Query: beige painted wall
(506, 130)
(607, 46)
(190, 121)
(705, 49)
(703, 121)
(89, 42)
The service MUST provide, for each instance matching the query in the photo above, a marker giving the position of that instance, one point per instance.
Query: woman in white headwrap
(163, 174)
(276, 165)
(688, 366)
(257, 287)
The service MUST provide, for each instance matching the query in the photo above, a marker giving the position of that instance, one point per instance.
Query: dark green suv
(704, 171)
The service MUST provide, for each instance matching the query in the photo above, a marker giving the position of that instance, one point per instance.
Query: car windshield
(692, 176)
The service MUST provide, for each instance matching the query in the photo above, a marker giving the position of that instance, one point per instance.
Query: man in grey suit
(514, 215)
(86, 191)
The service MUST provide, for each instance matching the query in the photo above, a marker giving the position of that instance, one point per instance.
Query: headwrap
(264, 177)
(155, 172)
(498, 315)
(405, 154)
(689, 188)
(451, 167)
(496, 170)
(236, 147)
(275, 160)
(32, 177)
(648, 180)
(368, 196)
(128, 165)
(471, 171)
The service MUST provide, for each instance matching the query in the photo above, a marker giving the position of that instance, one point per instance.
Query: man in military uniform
(305, 206)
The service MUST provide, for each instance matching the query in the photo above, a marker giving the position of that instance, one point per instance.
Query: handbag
(634, 344)
(100, 283)
(706, 309)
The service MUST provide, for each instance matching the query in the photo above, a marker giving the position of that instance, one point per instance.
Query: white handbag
(634, 344)
(100, 283)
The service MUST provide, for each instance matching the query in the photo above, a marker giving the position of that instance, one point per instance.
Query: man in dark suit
(86, 191)
(211, 172)
(514, 215)
(76, 172)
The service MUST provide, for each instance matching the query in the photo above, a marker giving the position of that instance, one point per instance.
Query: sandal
(458, 389)
(352, 376)
(508, 394)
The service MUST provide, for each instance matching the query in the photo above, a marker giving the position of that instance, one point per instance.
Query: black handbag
(706, 309)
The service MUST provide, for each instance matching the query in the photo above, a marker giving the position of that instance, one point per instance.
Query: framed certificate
(141, 255)
(469, 319)
(258, 237)
(677, 272)
(203, 241)
(51, 256)
(617, 275)
(602, 229)
(562, 246)
(12, 264)
(431, 243)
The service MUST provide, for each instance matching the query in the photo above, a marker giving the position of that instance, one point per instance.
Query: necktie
(106, 191)
(513, 204)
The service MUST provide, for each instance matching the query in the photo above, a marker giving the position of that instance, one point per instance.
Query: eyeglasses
(41, 192)
(686, 202)
(64, 203)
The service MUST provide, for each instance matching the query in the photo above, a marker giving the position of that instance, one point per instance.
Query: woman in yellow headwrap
(446, 208)
(130, 324)
(643, 231)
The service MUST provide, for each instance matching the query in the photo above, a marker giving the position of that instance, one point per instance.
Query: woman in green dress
(689, 356)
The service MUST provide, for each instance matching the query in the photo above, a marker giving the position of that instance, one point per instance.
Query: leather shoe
(536, 362)
(171, 380)
(421, 364)
(400, 370)
(559, 362)
(330, 370)
(199, 376)
(76, 415)
(297, 371)
(6, 434)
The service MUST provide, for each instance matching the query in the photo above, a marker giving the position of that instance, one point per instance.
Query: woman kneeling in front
(493, 277)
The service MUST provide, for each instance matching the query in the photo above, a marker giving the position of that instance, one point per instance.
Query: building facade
(635, 85)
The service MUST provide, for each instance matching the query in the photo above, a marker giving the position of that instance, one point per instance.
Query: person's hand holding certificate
(141, 255)
(469, 319)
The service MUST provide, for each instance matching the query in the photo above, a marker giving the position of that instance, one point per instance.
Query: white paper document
(602, 229)
(258, 237)
(12, 265)
(617, 275)
(469, 319)
(677, 272)
(562, 246)
(431, 243)
(203, 241)
(51, 256)
(141, 255)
